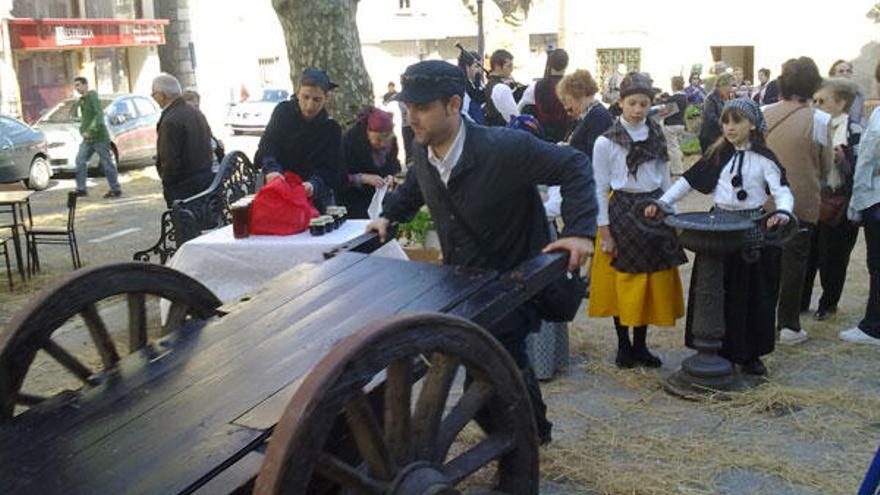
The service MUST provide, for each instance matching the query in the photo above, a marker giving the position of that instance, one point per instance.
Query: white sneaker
(788, 336)
(858, 336)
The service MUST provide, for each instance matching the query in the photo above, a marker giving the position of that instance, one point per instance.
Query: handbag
(832, 208)
(557, 302)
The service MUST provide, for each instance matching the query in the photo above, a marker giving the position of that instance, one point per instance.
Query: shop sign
(37, 34)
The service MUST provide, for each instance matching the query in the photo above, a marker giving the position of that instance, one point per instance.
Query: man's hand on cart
(580, 249)
(379, 226)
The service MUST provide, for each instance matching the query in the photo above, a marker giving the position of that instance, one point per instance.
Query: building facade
(46, 43)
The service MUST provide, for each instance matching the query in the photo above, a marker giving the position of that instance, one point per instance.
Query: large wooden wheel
(125, 287)
(402, 443)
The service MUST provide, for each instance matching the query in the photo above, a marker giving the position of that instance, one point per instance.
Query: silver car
(253, 115)
(131, 121)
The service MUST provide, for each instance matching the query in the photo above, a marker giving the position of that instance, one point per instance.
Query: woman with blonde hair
(577, 92)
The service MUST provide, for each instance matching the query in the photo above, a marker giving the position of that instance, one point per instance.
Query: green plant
(416, 230)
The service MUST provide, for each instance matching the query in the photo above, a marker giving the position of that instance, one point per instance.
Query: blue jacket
(494, 186)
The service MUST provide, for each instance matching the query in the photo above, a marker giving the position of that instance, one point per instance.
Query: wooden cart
(337, 377)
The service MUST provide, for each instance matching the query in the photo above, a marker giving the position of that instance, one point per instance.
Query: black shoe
(644, 357)
(625, 358)
(545, 434)
(112, 194)
(753, 367)
(824, 314)
(80, 193)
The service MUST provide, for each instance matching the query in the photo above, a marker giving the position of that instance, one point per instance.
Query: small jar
(316, 226)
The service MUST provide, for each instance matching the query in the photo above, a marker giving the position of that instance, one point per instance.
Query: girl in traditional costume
(633, 279)
(741, 174)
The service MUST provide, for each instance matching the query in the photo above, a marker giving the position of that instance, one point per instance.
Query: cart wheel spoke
(28, 399)
(490, 449)
(474, 398)
(67, 360)
(137, 321)
(176, 317)
(398, 404)
(368, 436)
(100, 336)
(334, 469)
(432, 402)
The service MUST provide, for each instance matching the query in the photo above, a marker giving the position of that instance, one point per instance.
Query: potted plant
(419, 239)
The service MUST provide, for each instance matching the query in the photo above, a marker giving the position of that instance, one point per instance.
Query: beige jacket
(803, 149)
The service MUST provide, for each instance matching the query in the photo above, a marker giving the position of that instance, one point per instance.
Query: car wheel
(40, 173)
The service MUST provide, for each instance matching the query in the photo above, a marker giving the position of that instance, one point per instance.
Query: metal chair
(55, 235)
(4, 248)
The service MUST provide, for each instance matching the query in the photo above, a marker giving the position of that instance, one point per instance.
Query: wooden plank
(223, 381)
(238, 477)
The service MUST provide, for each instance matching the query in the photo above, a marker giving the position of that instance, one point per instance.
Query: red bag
(281, 207)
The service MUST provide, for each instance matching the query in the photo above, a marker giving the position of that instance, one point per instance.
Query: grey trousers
(795, 258)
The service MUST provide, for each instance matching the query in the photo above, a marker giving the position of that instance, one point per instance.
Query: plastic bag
(281, 207)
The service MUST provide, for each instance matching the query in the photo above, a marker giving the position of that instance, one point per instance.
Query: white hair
(167, 84)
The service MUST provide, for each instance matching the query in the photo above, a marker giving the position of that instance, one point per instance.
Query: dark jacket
(357, 154)
(586, 131)
(493, 116)
(771, 94)
(710, 129)
(183, 148)
(310, 149)
(493, 186)
(681, 101)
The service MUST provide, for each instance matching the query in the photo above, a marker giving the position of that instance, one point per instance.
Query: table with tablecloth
(232, 267)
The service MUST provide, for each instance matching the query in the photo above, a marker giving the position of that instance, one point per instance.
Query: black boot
(754, 367)
(640, 352)
(624, 357)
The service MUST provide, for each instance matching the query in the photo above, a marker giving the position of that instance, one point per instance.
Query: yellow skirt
(636, 298)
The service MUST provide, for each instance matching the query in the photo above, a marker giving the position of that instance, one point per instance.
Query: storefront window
(111, 9)
(44, 8)
(45, 78)
(110, 69)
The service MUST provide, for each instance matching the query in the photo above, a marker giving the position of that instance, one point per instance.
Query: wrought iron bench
(188, 218)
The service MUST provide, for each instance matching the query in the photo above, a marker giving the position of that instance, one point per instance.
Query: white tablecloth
(232, 267)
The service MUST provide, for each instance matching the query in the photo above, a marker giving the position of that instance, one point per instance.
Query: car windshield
(274, 95)
(67, 112)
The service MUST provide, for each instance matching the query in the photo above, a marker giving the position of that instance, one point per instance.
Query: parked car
(130, 119)
(253, 115)
(23, 154)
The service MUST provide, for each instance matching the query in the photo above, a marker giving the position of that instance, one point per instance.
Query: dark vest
(549, 110)
(493, 116)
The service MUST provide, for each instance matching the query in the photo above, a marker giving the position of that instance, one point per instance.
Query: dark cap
(316, 77)
(430, 80)
(637, 83)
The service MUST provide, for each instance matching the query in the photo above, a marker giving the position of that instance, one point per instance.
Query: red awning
(54, 34)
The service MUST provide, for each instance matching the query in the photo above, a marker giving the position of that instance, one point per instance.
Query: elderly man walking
(184, 155)
(96, 139)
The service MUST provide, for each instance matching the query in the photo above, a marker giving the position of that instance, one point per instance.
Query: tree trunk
(175, 56)
(324, 34)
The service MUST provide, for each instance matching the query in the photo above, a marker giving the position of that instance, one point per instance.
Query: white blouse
(611, 174)
(758, 173)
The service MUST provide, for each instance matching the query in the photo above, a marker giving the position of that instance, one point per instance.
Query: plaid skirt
(639, 251)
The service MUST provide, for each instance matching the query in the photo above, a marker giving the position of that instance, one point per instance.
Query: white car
(253, 115)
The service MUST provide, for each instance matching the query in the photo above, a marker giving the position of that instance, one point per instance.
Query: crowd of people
(571, 182)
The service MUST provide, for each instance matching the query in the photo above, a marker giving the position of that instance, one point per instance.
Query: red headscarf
(380, 121)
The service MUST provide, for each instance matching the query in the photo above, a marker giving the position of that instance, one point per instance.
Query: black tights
(640, 335)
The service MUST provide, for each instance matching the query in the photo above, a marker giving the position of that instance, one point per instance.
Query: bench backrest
(188, 218)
